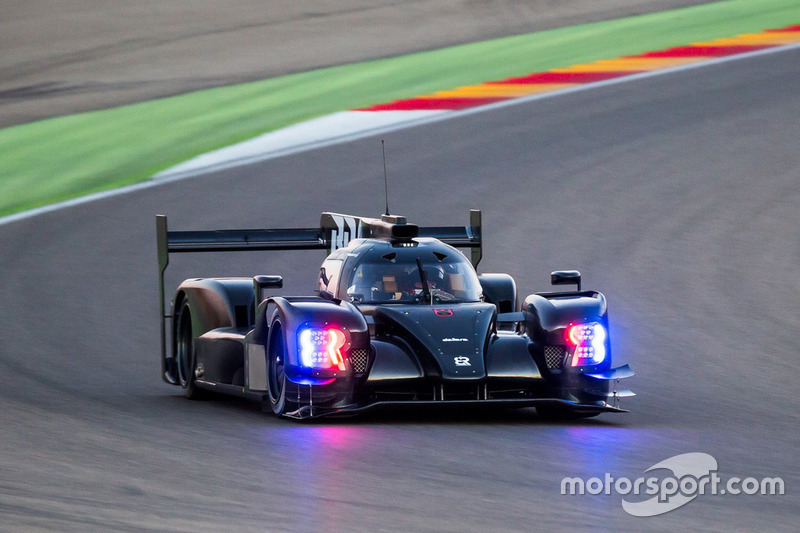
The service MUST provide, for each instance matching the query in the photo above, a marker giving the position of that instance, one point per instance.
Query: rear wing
(335, 231)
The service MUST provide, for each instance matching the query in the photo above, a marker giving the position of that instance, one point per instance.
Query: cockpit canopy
(386, 272)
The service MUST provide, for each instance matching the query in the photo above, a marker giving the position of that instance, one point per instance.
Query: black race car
(401, 318)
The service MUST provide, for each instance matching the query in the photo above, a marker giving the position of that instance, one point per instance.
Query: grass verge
(57, 159)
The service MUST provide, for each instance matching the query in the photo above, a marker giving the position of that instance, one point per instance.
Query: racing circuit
(675, 195)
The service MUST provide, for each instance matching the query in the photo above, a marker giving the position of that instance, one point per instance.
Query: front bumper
(581, 394)
(307, 412)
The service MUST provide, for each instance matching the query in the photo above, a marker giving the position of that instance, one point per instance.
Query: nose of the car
(453, 337)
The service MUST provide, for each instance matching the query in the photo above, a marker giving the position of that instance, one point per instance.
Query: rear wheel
(276, 367)
(185, 359)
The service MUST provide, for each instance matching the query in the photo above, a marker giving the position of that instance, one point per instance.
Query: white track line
(185, 170)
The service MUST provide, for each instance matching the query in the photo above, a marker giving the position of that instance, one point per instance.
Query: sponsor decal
(674, 483)
(347, 229)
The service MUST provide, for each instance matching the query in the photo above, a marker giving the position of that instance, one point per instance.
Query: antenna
(385, 180)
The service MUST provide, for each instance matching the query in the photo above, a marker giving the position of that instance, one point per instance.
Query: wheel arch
(297, 312)
(214, 303)
(548, 316)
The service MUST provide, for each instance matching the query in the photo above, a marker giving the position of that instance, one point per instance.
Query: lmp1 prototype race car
(400, 317)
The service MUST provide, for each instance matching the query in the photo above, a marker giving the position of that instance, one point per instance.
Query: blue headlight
(590, 343)
(321, 348)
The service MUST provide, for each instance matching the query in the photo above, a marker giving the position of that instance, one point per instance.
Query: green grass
(56, 159)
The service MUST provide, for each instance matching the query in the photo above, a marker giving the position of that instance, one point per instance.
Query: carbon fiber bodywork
(415, 326)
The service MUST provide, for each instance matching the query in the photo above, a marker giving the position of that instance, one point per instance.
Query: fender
(558, 309)
(549, 314)
(300, 312)
(216, 303)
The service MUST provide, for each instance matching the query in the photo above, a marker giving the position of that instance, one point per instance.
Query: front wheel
(276, 367)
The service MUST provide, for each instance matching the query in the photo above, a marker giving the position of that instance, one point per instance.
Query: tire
(276, 369)
(185, 357)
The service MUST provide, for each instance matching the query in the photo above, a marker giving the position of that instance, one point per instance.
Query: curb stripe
(704, 51)
(787, 28)
(508, 90)
(774, 38)
(630, 63)
(491, 92)
(424, 103)
(564, 77)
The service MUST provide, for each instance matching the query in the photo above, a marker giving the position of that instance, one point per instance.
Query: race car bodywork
(401, 317)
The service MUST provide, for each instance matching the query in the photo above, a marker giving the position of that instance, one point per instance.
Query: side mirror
(566, 277)
(328, 295)
(265, 282)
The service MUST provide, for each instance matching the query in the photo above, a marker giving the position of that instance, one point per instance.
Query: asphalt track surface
(676, 195)
(61, 57)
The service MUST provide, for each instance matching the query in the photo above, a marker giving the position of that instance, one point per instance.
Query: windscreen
(396, 276)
